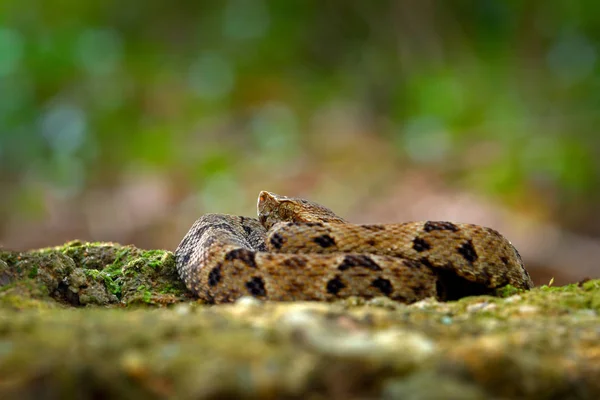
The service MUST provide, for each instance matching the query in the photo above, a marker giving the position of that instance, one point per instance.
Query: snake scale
(300, 250)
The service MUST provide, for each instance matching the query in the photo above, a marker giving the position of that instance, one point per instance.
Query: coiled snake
(300, 250)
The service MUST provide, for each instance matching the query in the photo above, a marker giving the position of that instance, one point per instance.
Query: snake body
(300, 250)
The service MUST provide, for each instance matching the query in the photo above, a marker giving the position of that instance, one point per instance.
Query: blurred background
(125, 121)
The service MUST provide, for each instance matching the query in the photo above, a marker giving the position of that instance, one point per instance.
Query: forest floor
(100, 319)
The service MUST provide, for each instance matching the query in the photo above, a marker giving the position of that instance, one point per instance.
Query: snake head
(274, 208)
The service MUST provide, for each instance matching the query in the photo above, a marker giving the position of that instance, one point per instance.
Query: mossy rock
(83, 274)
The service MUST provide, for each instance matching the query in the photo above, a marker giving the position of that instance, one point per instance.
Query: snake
(298, 250)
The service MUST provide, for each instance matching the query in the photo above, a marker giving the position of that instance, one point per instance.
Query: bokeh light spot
(16, 93)
(246, 19)
(426, 139)
(11, 51)
(211, 77)
(275, 128)
(69, 175)
(99, 51)
(221, 191)
(572, 58)
(65, 127)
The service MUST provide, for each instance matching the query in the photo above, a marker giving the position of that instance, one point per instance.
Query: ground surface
(101, 319)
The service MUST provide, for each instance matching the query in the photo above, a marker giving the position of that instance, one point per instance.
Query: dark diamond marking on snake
(198, 233)
(262, 247)
(324, 241)
(384, 285)
(313, 224)
(420, 244)
(439, 226)
(277, 240)
(247, 228)
(371, 242)
(186, 257)
(294, 262)
(504, 260)
(184, 243)
(256, 286)
(335, 285)
(244, 255)
(468, 251)
(425, 261)
(224, 226)
(214, 276)
(358, 260)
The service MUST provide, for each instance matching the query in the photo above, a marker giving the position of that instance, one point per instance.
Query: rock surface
(100, 319)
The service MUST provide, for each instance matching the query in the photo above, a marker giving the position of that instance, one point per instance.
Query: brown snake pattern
(299, 250)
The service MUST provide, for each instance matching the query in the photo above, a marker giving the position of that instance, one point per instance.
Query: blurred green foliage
(500, 95)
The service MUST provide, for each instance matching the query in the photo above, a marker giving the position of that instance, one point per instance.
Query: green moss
(25, 294)
(113, 272)
(124, 262)
(508, 290)
(10, 257)
(111, 278)
(591, 285)
(169, 289)
(93, 273)
(565, 288)
(154, 257)
(146, 294)
(307, 349)
(120, 259)
(33, 272)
